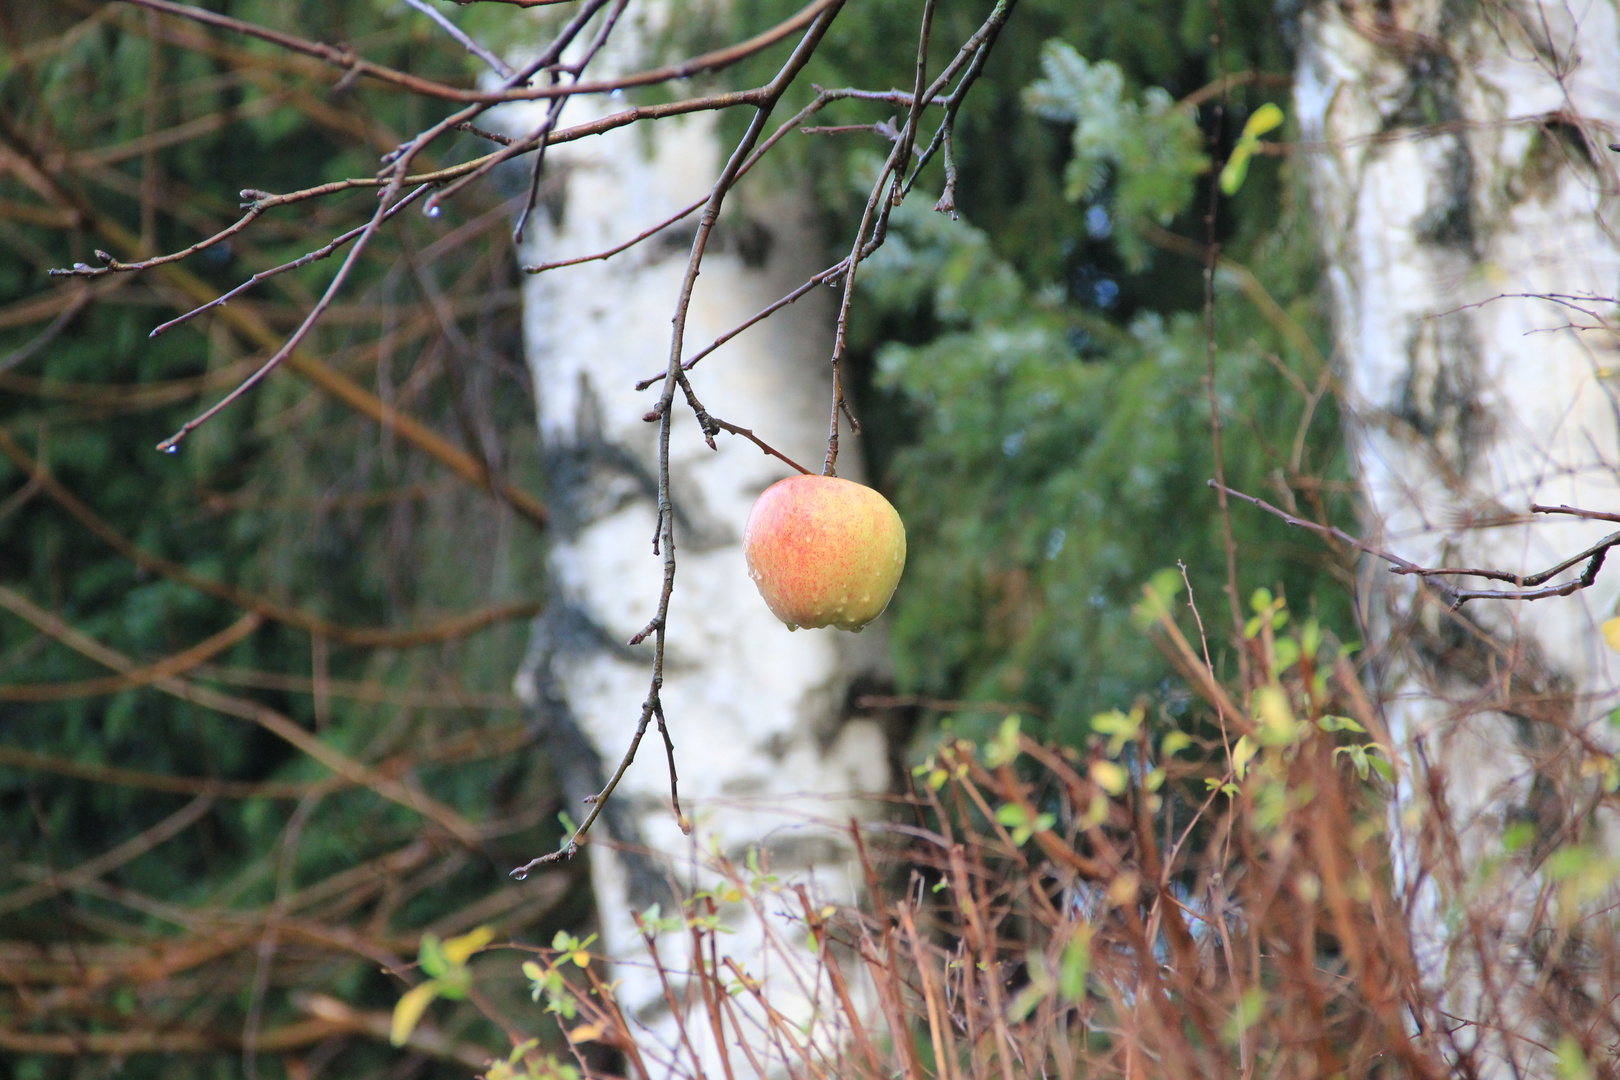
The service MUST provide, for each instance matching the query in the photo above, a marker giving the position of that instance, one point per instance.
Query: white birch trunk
(767, 753)
(1460, 156)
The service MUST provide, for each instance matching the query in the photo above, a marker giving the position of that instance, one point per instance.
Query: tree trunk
(1456, 155)
(767, 751)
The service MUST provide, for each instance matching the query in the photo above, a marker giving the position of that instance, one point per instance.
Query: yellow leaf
(1272, 705)
(585, 1033)
(1611, 633)
(1242, 754)
(1109, 776)
(409, 1011)
(1266, 118)
(1124, 888)
(458, 950)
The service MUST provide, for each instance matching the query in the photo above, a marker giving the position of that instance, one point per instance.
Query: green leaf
(1120, 727)
(1004, 749)
(1571, 1061)
(1250, 1008)
(1016, 819)
(1517, 836)
(1358, 758)
(1011, 815)
(1310, 638)
(1076, 964)
(1173, 743)
(1236, 169)
(432, 957)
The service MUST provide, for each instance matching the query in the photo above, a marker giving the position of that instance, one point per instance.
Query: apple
(824, 551)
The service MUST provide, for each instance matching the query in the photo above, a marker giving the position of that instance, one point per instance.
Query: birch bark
(768, 753)
(1456, 154)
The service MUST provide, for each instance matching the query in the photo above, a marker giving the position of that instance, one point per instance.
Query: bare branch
(1595, 515)
(347, 61)
(1593, 557)
(460, 35)
(379, 637)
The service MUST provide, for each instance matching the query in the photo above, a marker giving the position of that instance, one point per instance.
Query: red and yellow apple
(824, 551)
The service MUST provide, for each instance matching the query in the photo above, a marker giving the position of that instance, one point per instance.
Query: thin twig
(351, 64)
(1573, 511)
(1593, 557)
(322, 252)
(461, 36)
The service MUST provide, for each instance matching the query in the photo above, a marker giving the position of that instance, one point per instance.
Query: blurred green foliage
(1032, 376)
(287, 494)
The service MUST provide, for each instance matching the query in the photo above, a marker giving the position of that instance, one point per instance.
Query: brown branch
(467, 747)
(349, 62)
(241, 708)
(820, 102)
(461, 37)
(1331, 532)
(1595, 515)
(1270, 310)
(721, 425)
(367, 637)
(1595, 552)
(829, 274)
(899, 156)
(882, 127)
(256, 331)
(1224, 84)
(373, 693)
(713, 425)
(329, 1022)
(322, 252)
(974, 51)
(178, 664)
(128, 851)
(27, 351)
(1593, 557)
(178, 785)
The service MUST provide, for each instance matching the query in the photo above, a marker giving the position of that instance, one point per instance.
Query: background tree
(1464, 190)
